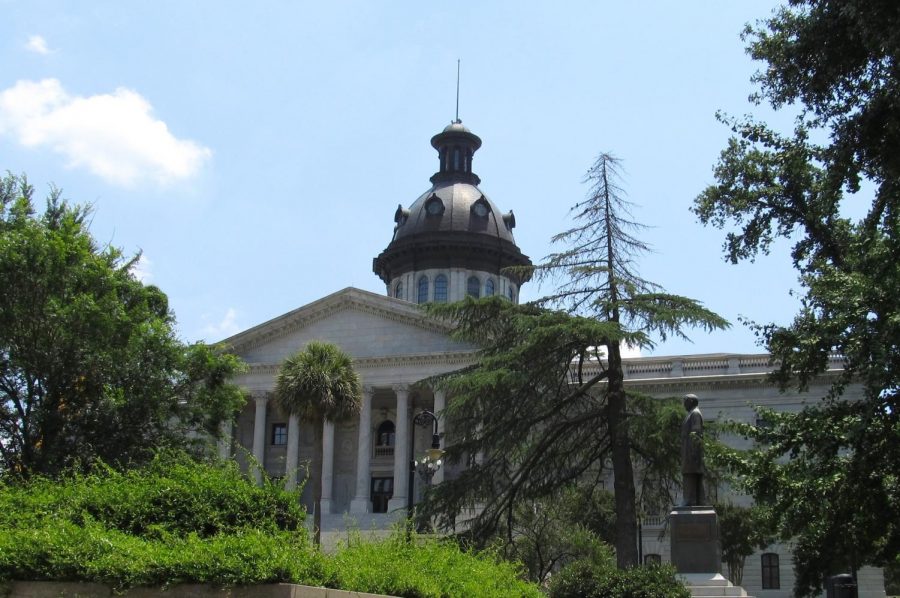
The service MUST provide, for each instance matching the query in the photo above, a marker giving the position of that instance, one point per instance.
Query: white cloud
(115, 136)
(37, 44)
(226, 327)
(141, 269)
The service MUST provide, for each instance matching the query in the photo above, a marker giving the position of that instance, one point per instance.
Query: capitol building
(451, 242)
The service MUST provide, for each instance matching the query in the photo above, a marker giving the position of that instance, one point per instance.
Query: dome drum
(470, 251)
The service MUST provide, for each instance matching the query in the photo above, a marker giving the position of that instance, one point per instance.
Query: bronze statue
(692, 453)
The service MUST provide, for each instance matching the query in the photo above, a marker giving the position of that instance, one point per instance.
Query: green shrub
(172, 520)
(171, 495)
(63, 551)
(585, 580)
(179, 521)
(426, 568)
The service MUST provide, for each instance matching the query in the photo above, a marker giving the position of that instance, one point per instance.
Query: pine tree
(546, 404)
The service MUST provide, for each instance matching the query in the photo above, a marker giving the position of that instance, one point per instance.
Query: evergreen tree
(546, 404)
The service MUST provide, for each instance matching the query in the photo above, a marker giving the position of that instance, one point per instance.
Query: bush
(426, 568)
(585, 580)
(179, 521)
(172, 520)
(173, 494)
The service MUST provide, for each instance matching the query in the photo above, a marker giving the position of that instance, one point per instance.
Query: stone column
(292, 461)
(360, 502)
(327, 466)
(224, 443)
(439, 404)
(259, 437)
(479, 456)
(401, 449)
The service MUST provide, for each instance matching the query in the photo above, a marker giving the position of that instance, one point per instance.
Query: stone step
(706, 592)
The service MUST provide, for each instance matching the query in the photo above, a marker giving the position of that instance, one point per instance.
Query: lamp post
(432, 460)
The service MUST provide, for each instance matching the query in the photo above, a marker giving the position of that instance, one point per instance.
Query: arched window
(771, 575)
(511, 294)
(423, 289)
(398, 292)
(473, 287)
(385, 434)
(440, 289)
(489, 288)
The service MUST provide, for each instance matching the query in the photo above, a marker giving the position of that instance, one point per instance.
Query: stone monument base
(707, 585)
(694, 532)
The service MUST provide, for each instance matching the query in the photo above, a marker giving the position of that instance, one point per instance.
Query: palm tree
(318, 384)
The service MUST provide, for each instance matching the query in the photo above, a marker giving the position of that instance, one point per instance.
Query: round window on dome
(480, 208)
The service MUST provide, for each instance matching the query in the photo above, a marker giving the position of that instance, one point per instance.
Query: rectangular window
(771, 576)
(279, 434)
(382, 491)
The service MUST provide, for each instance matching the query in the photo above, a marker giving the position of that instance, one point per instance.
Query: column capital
(262, 398)
(400, 387)
(368, 389)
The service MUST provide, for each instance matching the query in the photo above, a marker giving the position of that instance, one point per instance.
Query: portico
(366, 460)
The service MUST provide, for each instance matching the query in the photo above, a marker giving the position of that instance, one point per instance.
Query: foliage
(547, 402)
(90, 366)
(170, 495)
(179, 521)
(584, 580)
(425, 568)
(837, 63)
(599, 279)
(577, 523)
(742, 530)
(172, 520)
(318, 383)
(531, 406)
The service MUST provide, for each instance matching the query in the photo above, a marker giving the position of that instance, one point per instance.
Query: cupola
(453, 240)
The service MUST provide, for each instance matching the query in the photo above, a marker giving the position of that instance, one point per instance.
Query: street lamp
(430, 463)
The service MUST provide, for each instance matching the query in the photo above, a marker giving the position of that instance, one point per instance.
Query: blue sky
(256, 152)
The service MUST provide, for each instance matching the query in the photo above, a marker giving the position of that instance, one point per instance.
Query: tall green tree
(837, 65)
(319, 384)
(599, 279)
(90, 365)
(547, 403)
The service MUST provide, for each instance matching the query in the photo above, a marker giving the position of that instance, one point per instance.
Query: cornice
(387, 308)
(458, 358)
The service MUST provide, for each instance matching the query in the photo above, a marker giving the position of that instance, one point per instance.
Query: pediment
(365, 325)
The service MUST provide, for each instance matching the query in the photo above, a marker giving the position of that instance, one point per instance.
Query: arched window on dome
(473, 287)
(440, 289)
(398, 291)
(489, 288)
(423, 289)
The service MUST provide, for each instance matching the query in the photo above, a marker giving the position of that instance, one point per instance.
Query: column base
(398, 502)
(325, 505)
(360, 506)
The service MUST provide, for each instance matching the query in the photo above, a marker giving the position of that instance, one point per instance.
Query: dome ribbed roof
(453, 224)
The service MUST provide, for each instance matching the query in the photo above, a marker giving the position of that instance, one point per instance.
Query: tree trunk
(626, 517)
(316, 473)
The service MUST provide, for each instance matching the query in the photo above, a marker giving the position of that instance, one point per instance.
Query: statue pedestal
(694, 532)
